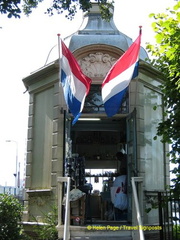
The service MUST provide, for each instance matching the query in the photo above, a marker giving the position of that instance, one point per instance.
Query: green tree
(166, 57)
(10, 217)
(14, 8)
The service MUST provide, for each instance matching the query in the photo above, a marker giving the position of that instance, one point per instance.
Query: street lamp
(17, 173)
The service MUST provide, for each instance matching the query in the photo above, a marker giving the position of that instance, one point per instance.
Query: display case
(103, 145)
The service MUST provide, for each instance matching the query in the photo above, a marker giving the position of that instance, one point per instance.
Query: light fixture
(89, 119)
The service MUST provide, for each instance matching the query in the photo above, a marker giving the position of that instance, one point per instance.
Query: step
(85, 233)
(102, 238)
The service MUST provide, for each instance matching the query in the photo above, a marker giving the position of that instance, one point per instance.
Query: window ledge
(39, 191)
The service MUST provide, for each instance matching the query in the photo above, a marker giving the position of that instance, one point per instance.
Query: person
(119, 187)
(120, 180)
(122, 159)
(122, 172)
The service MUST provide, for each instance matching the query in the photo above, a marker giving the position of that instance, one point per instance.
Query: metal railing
(61, 180)
(168, 212)
(169, 216)
(138, 214)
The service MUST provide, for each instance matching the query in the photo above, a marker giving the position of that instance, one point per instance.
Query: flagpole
(140, 33)
(140, 30)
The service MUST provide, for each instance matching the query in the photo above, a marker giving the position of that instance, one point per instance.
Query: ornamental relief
(96, 65)
(40, 201)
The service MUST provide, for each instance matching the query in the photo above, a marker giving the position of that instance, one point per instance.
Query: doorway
(95, 144)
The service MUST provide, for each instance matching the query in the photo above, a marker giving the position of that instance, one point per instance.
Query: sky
(24, 47)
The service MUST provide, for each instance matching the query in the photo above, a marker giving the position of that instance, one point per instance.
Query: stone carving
(40, 201)
(96, 65)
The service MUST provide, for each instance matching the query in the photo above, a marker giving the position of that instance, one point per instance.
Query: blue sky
(24, 47)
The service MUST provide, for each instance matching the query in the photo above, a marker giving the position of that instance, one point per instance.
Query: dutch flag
(75, 84)
(118, 78)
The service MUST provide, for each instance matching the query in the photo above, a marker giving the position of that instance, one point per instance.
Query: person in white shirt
(119, 189)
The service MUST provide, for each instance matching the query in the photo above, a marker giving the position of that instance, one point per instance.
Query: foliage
(10, 7)
(13, 7)
(176, 232)
(166, 54)
(48, 231)
(10, 216)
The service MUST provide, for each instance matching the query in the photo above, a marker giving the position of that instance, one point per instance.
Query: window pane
(94, 104)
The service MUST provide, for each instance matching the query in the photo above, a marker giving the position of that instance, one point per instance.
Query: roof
(99, 31)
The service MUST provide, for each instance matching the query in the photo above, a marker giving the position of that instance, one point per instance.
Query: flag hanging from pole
(118, 78)
(75, 84)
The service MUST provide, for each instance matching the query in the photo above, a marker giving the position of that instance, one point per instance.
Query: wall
(152, 165)
(45, 142)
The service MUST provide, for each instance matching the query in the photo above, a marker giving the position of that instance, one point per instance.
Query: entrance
(95, 144)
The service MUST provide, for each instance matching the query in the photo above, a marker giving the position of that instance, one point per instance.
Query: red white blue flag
(75, 84)
(118, 78)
